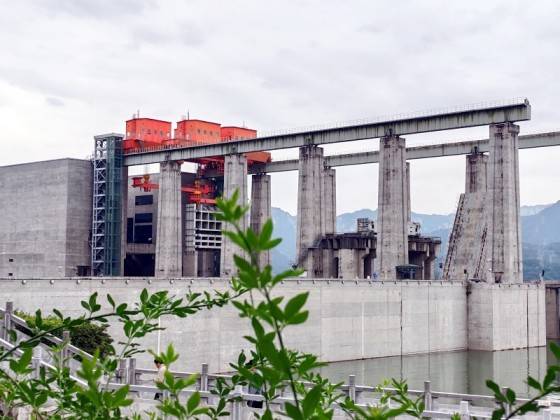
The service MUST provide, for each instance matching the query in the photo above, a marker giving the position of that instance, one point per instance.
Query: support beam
(392, 248)
(169, 238)
(504, 227)
(309, 214)
(473, 116)
(530, 141)
(235, 178)
(260, 208)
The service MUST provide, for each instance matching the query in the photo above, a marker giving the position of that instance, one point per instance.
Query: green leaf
(266, 233)
(236, 239)
(93, 301)
(555, 349)
(510, 395)
(529, 407)
(144, 296)
(498, 414)
(193, 402)
(550, 376)
(494, 387)
(110, 300)
(295, 304)
(311, 400)
(21, 365)
(271, 244)
(38, 319)
(299, 318)
(267, 415)
(293, 412)
(533, 383)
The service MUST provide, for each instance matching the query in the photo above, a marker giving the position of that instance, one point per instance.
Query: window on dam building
(144, 200)
(143, 234)
(143, 218)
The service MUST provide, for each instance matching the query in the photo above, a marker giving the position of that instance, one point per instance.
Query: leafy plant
(89, 337)
(269, 368)
(509, 407)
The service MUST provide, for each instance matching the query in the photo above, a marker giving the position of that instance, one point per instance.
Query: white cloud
(274, 65)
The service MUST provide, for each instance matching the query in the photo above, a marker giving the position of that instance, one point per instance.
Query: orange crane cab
(145, 132)
(149, 133)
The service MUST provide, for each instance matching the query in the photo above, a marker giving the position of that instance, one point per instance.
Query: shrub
(88, 337)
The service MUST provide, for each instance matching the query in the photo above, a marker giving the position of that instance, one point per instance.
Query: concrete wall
(45, 221)
(348, 319)
(552, 313)
(506, 316)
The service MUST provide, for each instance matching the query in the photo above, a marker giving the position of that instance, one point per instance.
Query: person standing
(160, 376)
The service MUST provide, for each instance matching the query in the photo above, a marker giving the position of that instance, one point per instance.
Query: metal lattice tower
(107, 205)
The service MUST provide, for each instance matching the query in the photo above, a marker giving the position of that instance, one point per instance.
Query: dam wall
(349, 319)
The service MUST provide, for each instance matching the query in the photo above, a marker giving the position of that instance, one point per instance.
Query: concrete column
(348, 264)
(408, 210)
(309, 214)
(392, 248)
(124, 216)
(467, 249)
(169, 239)
(328, 205)
(260, 208)
(504, 227)
(476, 173)
(235, 178)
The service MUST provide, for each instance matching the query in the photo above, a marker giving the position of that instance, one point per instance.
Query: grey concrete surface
(235, 178)
(466, 253)
(169, 244)
(528, 141)
(552, 310)
(392, 218)
(328, 206)
(45, 221)
(401, 125)
(260, 208)
(504, 224)
(506, 316)
(310, 211)
(348, 319)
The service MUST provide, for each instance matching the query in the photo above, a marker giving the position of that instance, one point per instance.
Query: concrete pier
(169, 244)
(235, 178)
(328, 204)
(466, 254)
(504, 227)
(408, 209)
(392, 248)
(309, 214)
(260, 208)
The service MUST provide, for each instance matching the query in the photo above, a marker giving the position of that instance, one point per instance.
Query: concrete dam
(349, 319)
(373, 292)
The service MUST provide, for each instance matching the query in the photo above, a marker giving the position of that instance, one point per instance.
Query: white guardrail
(437, 404)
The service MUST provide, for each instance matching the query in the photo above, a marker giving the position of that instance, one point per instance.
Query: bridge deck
(519, 110)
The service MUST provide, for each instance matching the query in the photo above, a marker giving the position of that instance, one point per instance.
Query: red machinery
(201, 193)
(149, 133)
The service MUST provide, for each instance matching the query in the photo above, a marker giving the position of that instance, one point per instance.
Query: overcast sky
(70, 69)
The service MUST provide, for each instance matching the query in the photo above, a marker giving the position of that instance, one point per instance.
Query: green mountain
(540, 236)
